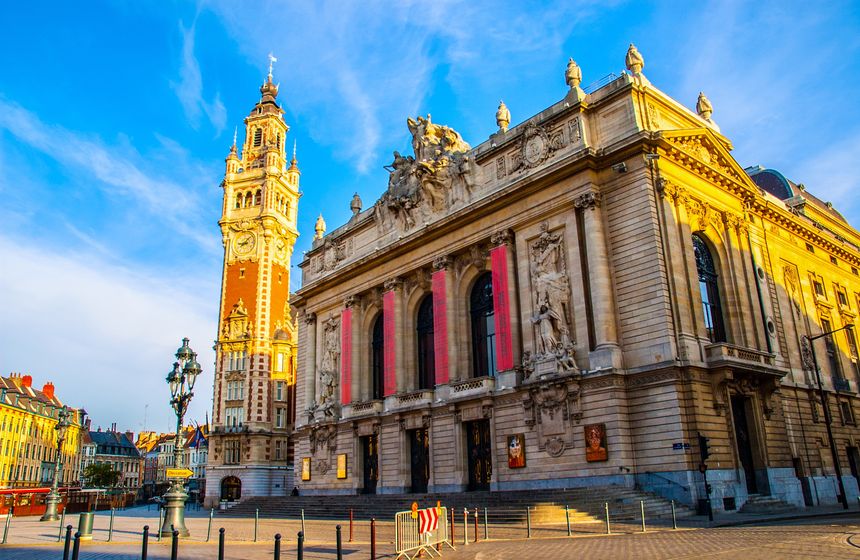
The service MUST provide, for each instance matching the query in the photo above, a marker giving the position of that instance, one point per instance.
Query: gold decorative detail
(237, 325)
(503, 117)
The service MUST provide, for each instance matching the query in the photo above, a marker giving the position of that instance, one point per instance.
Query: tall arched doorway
(231, 488)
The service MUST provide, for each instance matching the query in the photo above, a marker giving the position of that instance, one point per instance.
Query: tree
(101, 475)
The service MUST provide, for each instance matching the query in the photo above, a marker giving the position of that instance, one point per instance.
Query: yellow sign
(306, 468)
(341, 465)
(179, 473)
(414, 510)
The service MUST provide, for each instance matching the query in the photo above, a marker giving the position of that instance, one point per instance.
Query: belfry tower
(254, 398)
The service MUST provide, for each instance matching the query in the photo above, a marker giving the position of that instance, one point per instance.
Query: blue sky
(115, 118)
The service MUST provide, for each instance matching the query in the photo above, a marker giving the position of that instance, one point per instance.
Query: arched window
(377, 358)
(258, 196)
(239, 200)
(709, 290)
(426, 356)
(258, 136)
(247, 200)
(483, 327)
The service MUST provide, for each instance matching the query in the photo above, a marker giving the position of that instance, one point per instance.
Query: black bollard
(68, 544)
(76, 548)
(174, 546)
(339, 545)
(300, 550)
(277, 546)
(144, 544)
(372, 538)
(221, 543)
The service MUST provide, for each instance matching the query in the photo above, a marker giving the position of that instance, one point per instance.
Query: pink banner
(346, 356)
(440, 327)
(390, 366)
(501, 308)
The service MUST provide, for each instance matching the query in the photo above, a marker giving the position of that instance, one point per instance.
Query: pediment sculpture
(439, 174)
(237, 325)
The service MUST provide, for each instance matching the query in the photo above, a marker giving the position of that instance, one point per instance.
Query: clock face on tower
(244, 243)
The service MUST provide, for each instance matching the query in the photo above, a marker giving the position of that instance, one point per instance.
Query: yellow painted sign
(414, 510)
(179, 473)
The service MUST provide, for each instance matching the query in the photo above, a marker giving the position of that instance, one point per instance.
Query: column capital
(310, 317)
(504, 237)
(588, 200)
(351, 301)
(392, 284)
(441, 262)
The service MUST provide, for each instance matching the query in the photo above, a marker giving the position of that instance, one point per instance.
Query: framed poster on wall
(306, 468)
(341, 466)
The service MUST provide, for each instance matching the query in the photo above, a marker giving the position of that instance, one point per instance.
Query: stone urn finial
(573, 74)
(503, 117)
(355, 205)
(319, 228)
(635, 62)
(704, 107)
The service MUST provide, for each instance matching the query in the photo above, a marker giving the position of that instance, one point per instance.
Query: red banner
(346, 356)
(501, 308)
(440, 327)
(390, 365)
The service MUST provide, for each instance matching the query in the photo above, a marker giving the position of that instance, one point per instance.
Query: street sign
(179, 473)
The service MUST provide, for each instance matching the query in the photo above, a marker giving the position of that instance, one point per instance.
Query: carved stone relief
(553, 407)
(324, 407)
(551, 315)
(537, 144)
(237, 325)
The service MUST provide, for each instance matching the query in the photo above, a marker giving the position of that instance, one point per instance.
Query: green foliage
(101, 475)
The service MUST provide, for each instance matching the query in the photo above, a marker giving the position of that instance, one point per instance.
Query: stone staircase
(586, 505)
(756, 503)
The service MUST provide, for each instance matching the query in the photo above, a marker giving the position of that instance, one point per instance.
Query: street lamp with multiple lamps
(53, 499)
(827, 418)
(181, 381)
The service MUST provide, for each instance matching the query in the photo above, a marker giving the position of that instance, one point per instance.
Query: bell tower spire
(256, 344)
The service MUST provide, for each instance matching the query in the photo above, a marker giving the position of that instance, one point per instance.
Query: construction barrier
(420, 530)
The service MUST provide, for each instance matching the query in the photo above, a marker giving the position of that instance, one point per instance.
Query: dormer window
(258, 137)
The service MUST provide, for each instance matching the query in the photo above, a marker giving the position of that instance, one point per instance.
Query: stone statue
(424, 185)
(635, 62)
(544, 320)
(355, 205)
(503, 117)
(564, 358)
(704, 107)
(331, 349)
(573, 74)
(549, 275)
(319, 228)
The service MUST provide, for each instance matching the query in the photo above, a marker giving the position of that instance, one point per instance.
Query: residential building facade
(117, 450)
(28, 438)
(572, 303)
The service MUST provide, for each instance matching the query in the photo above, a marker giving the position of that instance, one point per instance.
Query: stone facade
(607, 283)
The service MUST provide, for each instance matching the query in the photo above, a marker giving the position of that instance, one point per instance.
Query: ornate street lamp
(53, 499)
(181, 381)
(843, 498)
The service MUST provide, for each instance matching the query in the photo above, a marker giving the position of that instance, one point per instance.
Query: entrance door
(854, 461)
(744, 441)
(231, 488)
(370, 458)
(479, 454)
(419, 445)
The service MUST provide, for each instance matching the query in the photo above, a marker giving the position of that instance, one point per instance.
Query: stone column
(500, 263)
(606, 350)
(311, 365)
(440, 318)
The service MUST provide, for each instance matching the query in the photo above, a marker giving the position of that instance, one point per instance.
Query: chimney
(27, 381)
(130, 435)
(87, 424)
(113, 427)
(48, 390)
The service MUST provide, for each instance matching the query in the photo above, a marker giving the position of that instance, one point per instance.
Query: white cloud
(105, 335)
(118, 171)
(355, 71)
(189, 89)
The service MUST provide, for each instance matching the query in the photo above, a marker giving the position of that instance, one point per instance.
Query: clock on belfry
(244, 243)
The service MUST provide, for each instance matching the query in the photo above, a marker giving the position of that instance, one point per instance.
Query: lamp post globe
(181, 381)
(53, 499)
